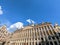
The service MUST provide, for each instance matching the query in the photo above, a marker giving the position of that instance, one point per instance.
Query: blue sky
(37, 10)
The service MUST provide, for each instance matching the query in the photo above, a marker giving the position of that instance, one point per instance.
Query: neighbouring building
(3, 34)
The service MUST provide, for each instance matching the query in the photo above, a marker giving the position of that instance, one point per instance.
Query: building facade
(3, 34)
(39, 34)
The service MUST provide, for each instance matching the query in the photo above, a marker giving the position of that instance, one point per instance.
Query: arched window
(55, 43)
(51, 43)
(47, 43)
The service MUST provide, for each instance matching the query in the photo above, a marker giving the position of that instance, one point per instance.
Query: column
(28, 43)
(31, 43)
(34, 43)
(15, 43)
(40, 33)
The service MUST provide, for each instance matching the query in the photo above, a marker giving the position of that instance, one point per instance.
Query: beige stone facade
(3, 34)
(39, 34)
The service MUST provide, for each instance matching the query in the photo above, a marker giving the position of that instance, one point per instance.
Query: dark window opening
(51, 43)
(59, 41)
(42, 39)
(47, 33)
(48, 27)
(54, 32)
(45, 28)
(53, 37)
(55, 43)
(36, 43)
(44, 32)
(47, 43)
(39, 43)
(59, 34)
(49, 38)
(43, 44)
(30, 43)
(50, 32)
(57, 37)
(40, 28)
(35, 38)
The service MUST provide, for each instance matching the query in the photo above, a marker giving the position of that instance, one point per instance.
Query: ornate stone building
(39, 34)
(3, 34)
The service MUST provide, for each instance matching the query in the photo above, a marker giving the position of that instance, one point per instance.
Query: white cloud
(30, 21)
(1, 11)
(15, 26)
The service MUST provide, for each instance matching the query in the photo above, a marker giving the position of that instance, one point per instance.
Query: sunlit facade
(3, 34)
(39, 34)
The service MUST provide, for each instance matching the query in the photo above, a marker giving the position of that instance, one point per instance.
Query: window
(53, 37)
(42, 39)
(59, 34)
(44, 32)
(47, 43)
(39, 43)
(40, 28)
(38, 38)
(51, 43)
(48, 27)
(36, 43)
(49, 38)
(59, 41)
(57, 37)
(47, 33)
(45, 27)
(50, 32)
(30, 43)
(54, 32)
(43, 44)
(55, 43)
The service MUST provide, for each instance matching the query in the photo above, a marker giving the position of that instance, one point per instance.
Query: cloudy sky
(20, 12)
